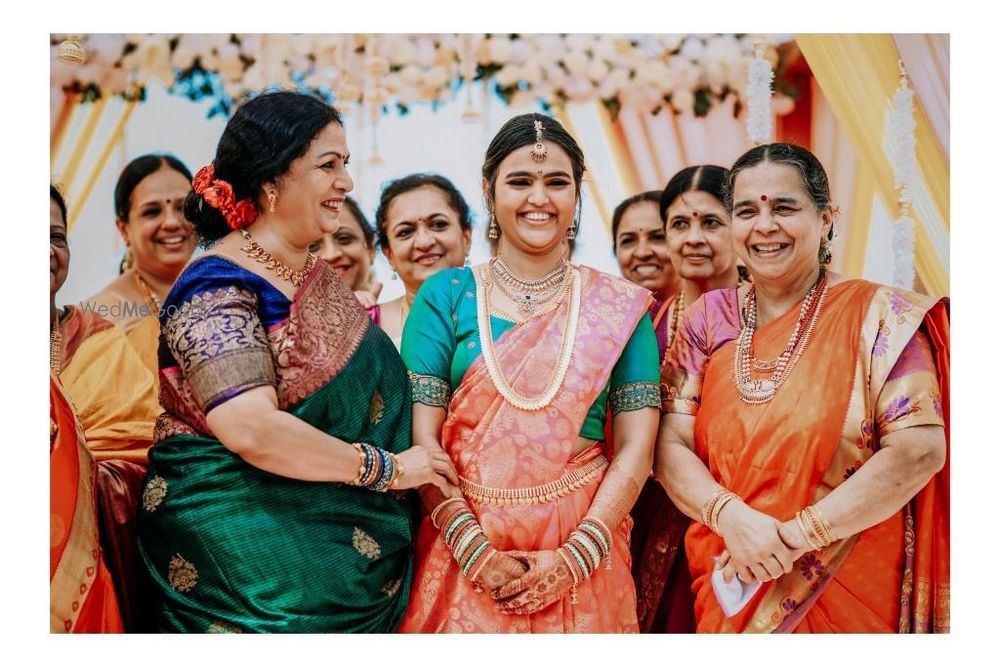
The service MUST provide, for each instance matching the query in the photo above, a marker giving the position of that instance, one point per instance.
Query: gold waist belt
(543, 493)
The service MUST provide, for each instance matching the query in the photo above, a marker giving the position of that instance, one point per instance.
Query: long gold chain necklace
(55, 349)
(147, 293)
(762, 390)
(565, 348)
(254, 251)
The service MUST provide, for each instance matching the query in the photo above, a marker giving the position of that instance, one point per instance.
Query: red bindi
(763, 197)
(694, 213)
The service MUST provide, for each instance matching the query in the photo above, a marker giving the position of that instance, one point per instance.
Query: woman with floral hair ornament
(287, 410)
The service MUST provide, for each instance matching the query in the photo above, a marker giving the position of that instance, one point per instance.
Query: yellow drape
(859, 75)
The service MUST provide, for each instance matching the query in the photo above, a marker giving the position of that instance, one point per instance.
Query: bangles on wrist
(379, 470)
(463, 535)
(586, 548)
(713, 507)
(816, 529)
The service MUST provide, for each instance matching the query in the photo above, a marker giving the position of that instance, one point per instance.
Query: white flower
(445, 56)
(550, 48)
(105, 49)
(531, 72)
(722, 48)
(671, 42)
(684, 73)
(437, 76)
(682, 100)
(597, 70)
(508, 76)
(401, 50)
(579, 42)
(425, 52)
(410, 75)
(693, 48)
(615, 80)
(579, 89)
(377, 66)
(653, 72)
(604, 47)
(500, 48)
(114, 81)
(576, 62)
(520, 51)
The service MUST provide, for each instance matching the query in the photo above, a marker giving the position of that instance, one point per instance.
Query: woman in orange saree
(535, 539)
(803, 428)
(112, 391)
(82, 597)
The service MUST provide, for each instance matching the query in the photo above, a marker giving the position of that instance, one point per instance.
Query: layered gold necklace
(256, 252)
(55, 348)
(571, 285)
(529, 295)
(761, 390)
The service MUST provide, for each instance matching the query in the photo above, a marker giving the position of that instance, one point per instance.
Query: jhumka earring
(494, 231)
(271, 198)
(571, 232)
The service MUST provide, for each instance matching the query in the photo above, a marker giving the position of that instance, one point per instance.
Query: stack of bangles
(465, 537)
(586, 548)
(710, 511)
(816, 529)
(379, 471)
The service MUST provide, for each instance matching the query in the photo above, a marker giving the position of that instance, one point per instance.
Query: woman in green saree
(286, 409)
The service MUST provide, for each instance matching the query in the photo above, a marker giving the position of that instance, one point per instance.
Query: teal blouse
(441, 340)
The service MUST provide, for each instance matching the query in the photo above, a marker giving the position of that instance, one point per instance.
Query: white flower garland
(759, 116)
(902, 152)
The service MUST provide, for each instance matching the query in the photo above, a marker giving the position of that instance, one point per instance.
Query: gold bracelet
(823, 536)
(397, 471)
(806, 533)
(437, 510)
(826, 524)
(706, 509)
(719, 504)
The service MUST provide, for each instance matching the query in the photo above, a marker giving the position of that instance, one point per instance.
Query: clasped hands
(758, 546)
(525, 582)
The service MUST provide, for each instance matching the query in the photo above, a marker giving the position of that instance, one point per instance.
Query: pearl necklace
(760, 391)
(256, 252)
(565, 349)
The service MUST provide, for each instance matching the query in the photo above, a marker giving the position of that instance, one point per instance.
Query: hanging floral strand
(902, 148)
(759, 115)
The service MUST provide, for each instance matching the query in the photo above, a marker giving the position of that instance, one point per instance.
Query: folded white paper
(732, 595)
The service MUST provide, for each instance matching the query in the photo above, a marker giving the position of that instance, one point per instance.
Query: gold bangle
(719, 504)
(437, 510)
(820, 530)
(706, 509)
(826, 524)
(805, 532)
(397, 471)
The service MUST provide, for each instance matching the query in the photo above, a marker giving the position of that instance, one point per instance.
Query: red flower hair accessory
(218, 194)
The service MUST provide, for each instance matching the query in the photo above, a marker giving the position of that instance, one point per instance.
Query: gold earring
(271, 198)
(494, 232)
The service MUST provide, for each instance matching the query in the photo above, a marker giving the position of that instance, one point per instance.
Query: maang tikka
(538, 152)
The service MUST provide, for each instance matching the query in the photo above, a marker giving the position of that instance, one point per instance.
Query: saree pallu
(232, 548)
(82, 597)
(113, 392)
(664, 602)
(821, 428)
(495, 445)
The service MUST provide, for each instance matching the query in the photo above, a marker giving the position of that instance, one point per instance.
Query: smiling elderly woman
(804, 426)
(512, 363)
(287, 409)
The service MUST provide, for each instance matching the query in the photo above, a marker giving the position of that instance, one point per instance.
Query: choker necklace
(762, 390)
(147, 293)
(529, 295)
(254, 251)
(565, 348)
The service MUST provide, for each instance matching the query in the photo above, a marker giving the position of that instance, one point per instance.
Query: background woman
(803, 426)
(424, 226)
(286, 408)
(512, 364)
(149, 197)
(112, 390)
(350, 251)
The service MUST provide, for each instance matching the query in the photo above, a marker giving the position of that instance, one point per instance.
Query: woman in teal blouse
(513, 365)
